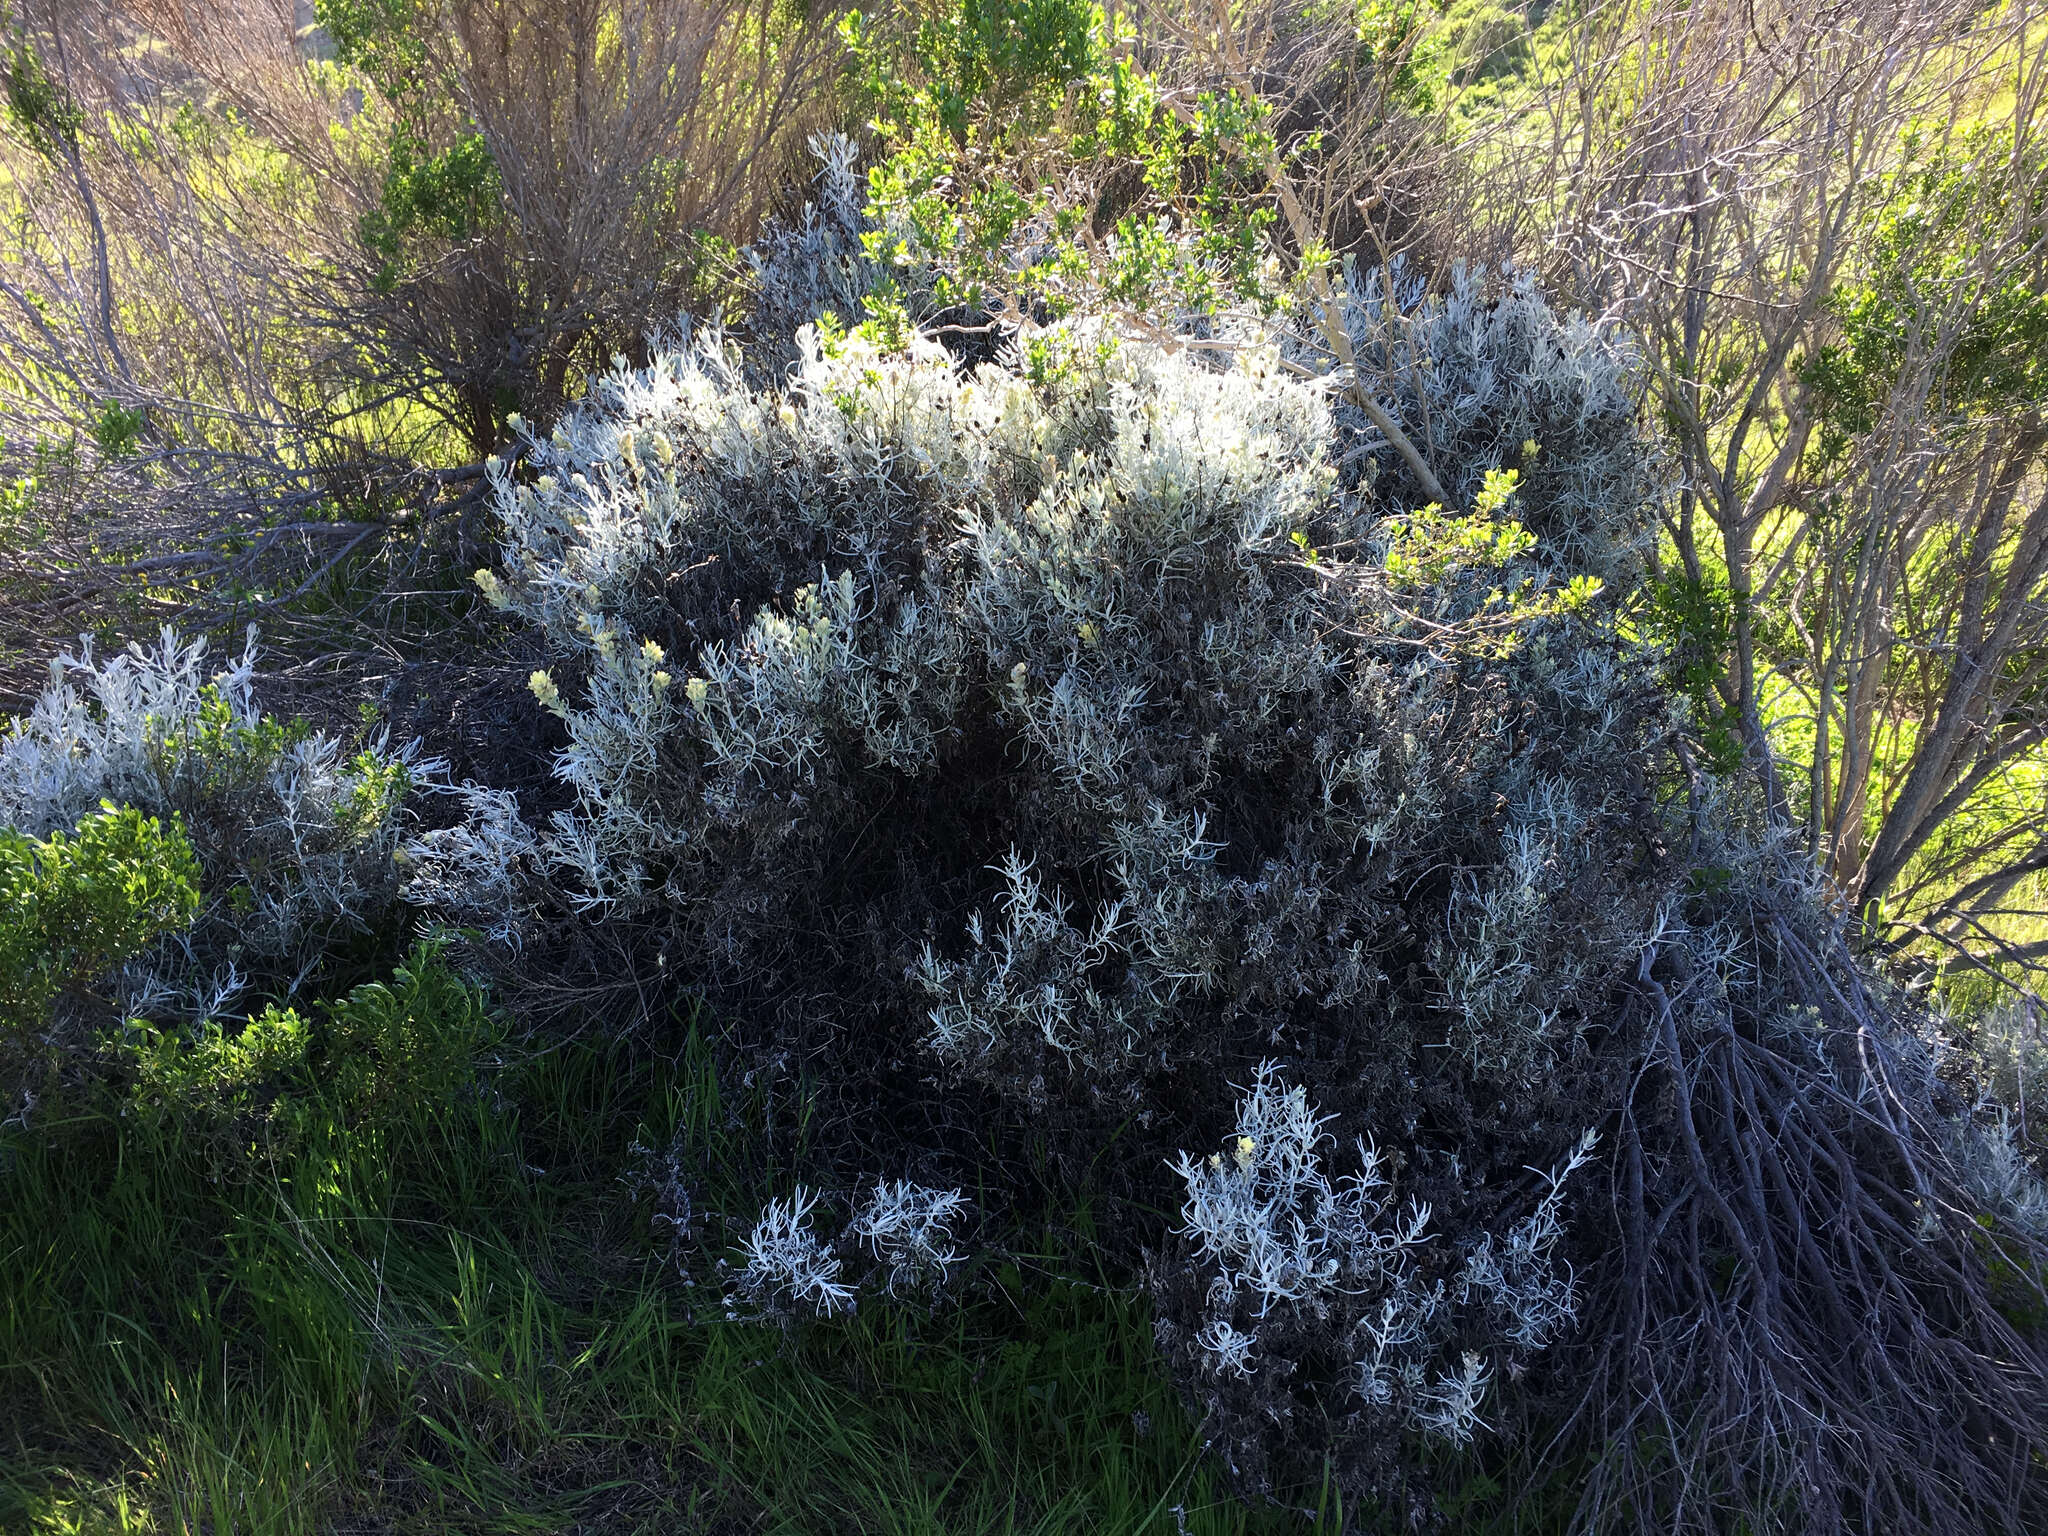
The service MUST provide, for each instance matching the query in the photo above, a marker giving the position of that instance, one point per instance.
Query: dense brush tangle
(1110, 728)
(1107, 734)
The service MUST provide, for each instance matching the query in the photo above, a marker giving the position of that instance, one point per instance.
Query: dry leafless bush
(1827, 225)
(619, 136)
(223, 384)
(1816, 1313)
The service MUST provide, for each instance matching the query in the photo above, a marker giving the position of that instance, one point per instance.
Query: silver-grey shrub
(1058, 720)
(1484, 368)
(1083, 731)
(1297, 1260)
(901, 1241)
(300, 835)
(774, 606)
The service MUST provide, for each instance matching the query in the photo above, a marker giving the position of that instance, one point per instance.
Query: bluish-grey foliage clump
(815, 267)
(1107, 733)
(1485, 375)
(300, 835)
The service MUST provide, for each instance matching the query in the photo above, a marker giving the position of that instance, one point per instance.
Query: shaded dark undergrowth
(348, 1293)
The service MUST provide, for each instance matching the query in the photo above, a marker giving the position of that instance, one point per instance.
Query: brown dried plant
(216, 375)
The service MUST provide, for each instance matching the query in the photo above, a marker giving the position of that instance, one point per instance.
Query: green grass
(388, 1309)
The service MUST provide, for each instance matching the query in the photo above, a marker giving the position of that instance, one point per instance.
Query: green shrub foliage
(390, 1055)
(211, 1243)
(73, 909)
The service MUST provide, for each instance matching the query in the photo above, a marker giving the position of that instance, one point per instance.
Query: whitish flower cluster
(1300, 1262)
(298, 835)
(907, 1229)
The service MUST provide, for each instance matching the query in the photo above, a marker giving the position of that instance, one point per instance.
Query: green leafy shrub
(39, 107)
(386, 1055)
(1921, 267)
(1691, 620)
(440, 184)
(1032, 166)
(74, 909)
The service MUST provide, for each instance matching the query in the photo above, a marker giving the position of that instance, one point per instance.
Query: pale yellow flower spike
(544, 689)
